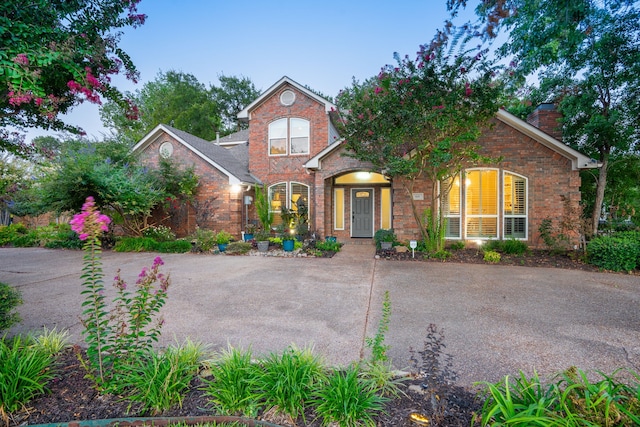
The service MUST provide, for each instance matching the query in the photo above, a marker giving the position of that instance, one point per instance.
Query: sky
(320, 44)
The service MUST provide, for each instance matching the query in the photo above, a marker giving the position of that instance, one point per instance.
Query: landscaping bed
(72, 397)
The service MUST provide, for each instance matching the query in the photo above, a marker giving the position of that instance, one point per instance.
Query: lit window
(515, 206)
(451, 208)
(338, 209)
(288, 136)
(294, 196)
(482, 203)
(385, 208)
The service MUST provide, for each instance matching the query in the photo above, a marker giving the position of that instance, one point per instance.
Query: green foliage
(574, 400)
(492, 257)
(51, 340)
(287, 381)
(553, 238)
(135, 244)
(10, 298)
(620, 252)
(435, 227)
(376, 344)
(176, 181)
(205, 239)
(457, 245)
(328, 246)
(347, 400)
(509, 247)
(381, 377)
(420, 119)
(25, 370)
(178, 247)
(159, 233)
(56, 55)
(263, 209)
(238, 248)
(223, 237)
(159, 381)
(383, 235)
(232, 96)
(233, 387)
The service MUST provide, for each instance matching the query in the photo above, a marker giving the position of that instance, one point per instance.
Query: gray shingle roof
(225, 158)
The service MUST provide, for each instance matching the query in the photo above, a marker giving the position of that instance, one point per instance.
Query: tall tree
(173, 98)
(232, 96)
(55, 55)
(420, 118)
(586, 54)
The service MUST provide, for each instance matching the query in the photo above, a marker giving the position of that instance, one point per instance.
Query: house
(293, 147)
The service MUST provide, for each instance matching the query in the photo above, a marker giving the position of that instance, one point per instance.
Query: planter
(248, 236)
(331, 239)
(288, 245)
(222, 247)
(263, 245)
(386, 245)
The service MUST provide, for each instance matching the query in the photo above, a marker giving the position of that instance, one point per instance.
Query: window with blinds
(481, 203)
(451, 206)
(515, 206)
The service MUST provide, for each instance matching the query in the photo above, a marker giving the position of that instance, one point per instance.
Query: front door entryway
(362, 212)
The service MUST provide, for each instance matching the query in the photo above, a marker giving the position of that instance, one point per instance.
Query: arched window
(290, 195)
(289, 136)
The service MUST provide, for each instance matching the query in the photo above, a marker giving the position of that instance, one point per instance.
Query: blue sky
(321, 44)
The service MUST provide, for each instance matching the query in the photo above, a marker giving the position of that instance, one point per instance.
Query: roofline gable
(245, 113)
(159, 129)
(578, 160)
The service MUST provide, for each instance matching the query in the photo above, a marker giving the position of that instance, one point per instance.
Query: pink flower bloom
(467, 90)
(21, 59)
(157, 261)
(83, 236)
(378, 90)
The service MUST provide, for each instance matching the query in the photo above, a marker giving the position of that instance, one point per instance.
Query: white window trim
(288, 137)
(499, 207)
(462, 206)
(335, 209)
(288, 193)
(525, 216)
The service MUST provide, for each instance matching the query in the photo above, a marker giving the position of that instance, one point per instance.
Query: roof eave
(578, 160)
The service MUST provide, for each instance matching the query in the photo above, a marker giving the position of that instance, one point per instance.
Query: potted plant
(249, 232)
(262, 240)
(384, 238)
(288, 240)
(222, 239)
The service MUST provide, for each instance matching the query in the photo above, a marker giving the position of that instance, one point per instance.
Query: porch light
(363, 176)
(236, 188)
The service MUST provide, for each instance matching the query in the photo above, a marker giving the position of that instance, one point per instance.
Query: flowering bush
(119, 336)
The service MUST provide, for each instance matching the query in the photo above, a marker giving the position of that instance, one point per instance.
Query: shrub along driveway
(496, 319)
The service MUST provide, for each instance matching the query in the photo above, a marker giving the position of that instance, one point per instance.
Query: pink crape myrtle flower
(89, 223)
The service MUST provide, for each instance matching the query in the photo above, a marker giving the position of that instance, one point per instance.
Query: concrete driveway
(497, 320)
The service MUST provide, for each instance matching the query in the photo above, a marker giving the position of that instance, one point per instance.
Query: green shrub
(159, 233)
(509, 247)
(176, 246)
(383, 235)
(492, 257)
(347, 400)
(24, 372)
(205, 240)
(63, 238)
(573, 400)
(457, 245)
(10, 298)
(288, 380)
(238, 248)
(620, 252)
(135, 244)
(52, 340)
(328, 246)
(223, 237)
(233, 387)
(160, 380)
(8, 233)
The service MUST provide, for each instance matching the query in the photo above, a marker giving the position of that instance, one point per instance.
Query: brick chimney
(546, 118)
